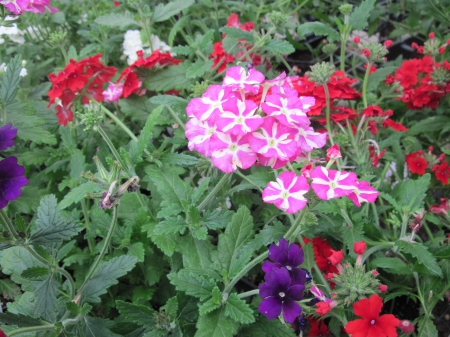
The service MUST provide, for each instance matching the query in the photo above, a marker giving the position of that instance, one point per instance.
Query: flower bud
(387, 43)
(346, 9)
(414, 45)
(306, 171)
(382, 288)
(334, 152)
(356, 39)
(431, 35)
(359, 247)
(406, 326)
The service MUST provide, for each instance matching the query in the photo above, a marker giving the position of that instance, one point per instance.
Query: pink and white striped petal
(230, 152)
(328, 184)
(309, 140)
(287, 110)
(287, 193)
(238, 117)
(238, 79)
(209, 105)
(363, 192)
(199, 134)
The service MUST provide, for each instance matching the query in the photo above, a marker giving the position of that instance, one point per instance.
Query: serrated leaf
(47, 212)
(170, 226)
(171, 307)
(208, 306)
(172, 77)
(167, 243)
(378, 76)
(19, 320)
(137, 148)
(181, 22)
(430, 124)
(179, 159)
(163, 12)
(207, 37)
(136, 313)
(229, 44)
(76, 194)
(238, 310)
(410, 193)
(238, 33)
(391, 201)
(391, 265)
(59, 232)
(106, 276)
(9, 290)
(352, 234)
(279, 47)
(216, 324)
(169, 185)
(183, 50)
(137, 249)
(308, 251)
(427, 327)
(35, 272)
(200, 233)
(198, 193)
(117, 20)
(96, 327)
(264, 327)
(175, 102)
(358, 19)
(421, 253)
(193, 284)
(11, 80)
(199, 68)
(217, 219)
(196, 253)
(46, 302)
(318, 29)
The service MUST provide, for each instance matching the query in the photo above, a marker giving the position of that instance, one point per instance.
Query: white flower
(14, 33)
(132, 43)
(23, 71)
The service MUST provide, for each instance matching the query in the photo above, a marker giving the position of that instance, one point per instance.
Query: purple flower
(280, 295)
(7, 134)
(11, 180)
(289, 257)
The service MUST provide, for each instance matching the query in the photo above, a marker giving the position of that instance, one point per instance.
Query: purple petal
(7, 134)
(295, 255)
(266, 290)
(298, 276)
(279, 253)
(295, 292)
(291, 310)
(267, 266)
(270, 307)
(278, 278)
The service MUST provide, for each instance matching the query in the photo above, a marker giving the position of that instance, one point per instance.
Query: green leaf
(279, 47)
(217, 219)
(237, 234)
(308, 251)
(391, 265)
(61, 231)
(264, 327)
(421, 253)
(238, 310)
(216, 324)
(427, 327)
(175, 102)
(208, 306)
(173, 77)
(35, 272)
(137, 148)
(136, 313)
(358, 19)
(191, 283)
(136, 108)
(47, 212)
(238, 33)
(76, 166)
(196, 253)
(169, 226)
(46, 299)
(352, 234)
(319, 29)
(117, 20)
(163, 12)
(106, 276)
(96, 327)
(19, 320)
(9, 289)
(179, 159)
(391, 201)
(11, 80)
(410, 193)
(171, 307)
(208, 37)
(76, 194)
(181, 22)
(378, 76)
(183, 50)
(199, 68)
(229, 44)
(137, 249)
(430, 124)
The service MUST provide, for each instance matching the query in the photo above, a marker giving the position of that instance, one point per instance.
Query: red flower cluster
(371, 323)
(322, 254)
(132, 84)
(442, 172)
(339, 88)
(318, 328)
(84, 78)
(442, 208)
(419, 91)
(373, 111)
(416, 162)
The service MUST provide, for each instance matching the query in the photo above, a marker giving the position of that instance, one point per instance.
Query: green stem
(114, 150)
(32, 329)
(145, 25)
(322, 279)
(176, 117)
(8, 224)
(64, 53)
(214, 191)
(405, 218)
(328, 112)
(91, 242)
(249, 293)
(379, 246)
(243, 176)
(104, 248)
(119, 122)
(286, 64)
(364, 88)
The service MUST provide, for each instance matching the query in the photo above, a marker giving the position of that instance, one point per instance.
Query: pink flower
(199, 135)
(15, 6)
(39, 6)
(230, 152)
(309, 140)
(287, 110)
(210, 104)
(363, 192)
(306, 171)
(382, 288)
(113, 92)
(287, 192)
(237, 78)
(328, 184)
(334, 152)
(319, 294)
(274, 140)
(238, 117)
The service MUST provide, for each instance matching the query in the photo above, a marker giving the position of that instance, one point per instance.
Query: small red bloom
(359, 247)
(397, 126)
(323, 308)
(442, 172)
(387, 43)
(116, 3)
(441, 50)
(382, 288)
(389, 79)
(366, 52)
(431, 35)
(414, 45)
(2, 334)
(373, 111)
(372, 324)
(416, 163)
(336, 257)
(318, 328)
(356, 39)
(406, 326)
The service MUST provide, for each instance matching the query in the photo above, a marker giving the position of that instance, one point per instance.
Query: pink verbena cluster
(17, 7)
(250, 120)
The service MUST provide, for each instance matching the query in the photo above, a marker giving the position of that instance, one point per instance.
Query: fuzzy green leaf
(352, 234)
(170, 226)
(11, 80)
(237, 33)
(9, 289)
(173, 77)
(421, 253)
(183, 50)
(208, 306)
(163, 12)
(410, 193)
(117, 20)
(179, 159)
(136, 313)
(427, 327)
(238, 310)
(106, 276)
(175, 102)
(319, 29)
(193, 284)
(137, 249)
(96, 327)
(279, 47)
(181, 22)
(391, 265)
(59, 232)
(46, 302)
(35, 272)
(378, 76)
(19, 320)
(199, 68)
(216, 324)
(264, 327)
(358, 19)
(430, 124)
(76, 194)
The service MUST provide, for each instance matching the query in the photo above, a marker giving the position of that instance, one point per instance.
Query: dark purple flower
(289, 257)
(7, 134)
(11, 180)
(280, 295)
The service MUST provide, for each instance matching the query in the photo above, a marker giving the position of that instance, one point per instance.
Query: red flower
(318, 328)
(233, 21)
(416, 163)
(442, 172)
(382, 288)
(372, 324)
(397, 126)
(406, 326)
(359, 247)
(442, 208)
(373, 111)
(2, 334)
(356, 39)
(336, 257)
(220, 55)
(323, 308)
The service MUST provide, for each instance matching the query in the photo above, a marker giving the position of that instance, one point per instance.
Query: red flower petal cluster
(397, 126)
(416, 162)
(85, 78)
(442, 172)
(339, 88)
(442, 208)
(322, 251)
(318, 328)
(371, 323)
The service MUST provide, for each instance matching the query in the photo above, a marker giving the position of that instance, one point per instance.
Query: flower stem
(8, 224)
(91, 242)
(176, 117)
(32, 329)
(328, 111)
(119, 123)
(249, 293)
(214, 191)
(364, 88)
(104, 248)
(243, 176)
(322, 279)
